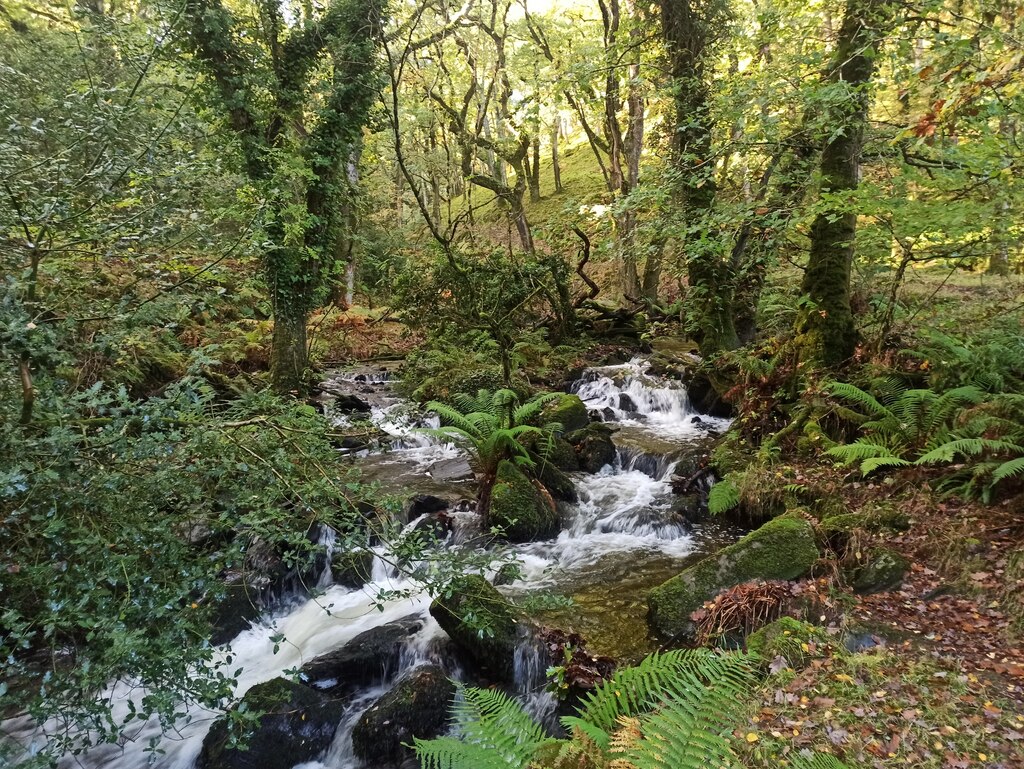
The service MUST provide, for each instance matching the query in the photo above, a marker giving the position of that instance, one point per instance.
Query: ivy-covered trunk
(288, 350)
(298, 121)
(690, 28)
(826, 327)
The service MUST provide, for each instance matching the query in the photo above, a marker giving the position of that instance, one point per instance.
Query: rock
(568, 411)
(558, 484)
(781, 549)
(506, 575)
(884, 570)
(626, 403)
(234, 611)
(691, 507)
(347, 403)
(352, 568)
(474, 599)
(705, 397)
(433, 527)
(799, 642)
(518, 508)
(421, 504)
(418, 706)
(594, 447)
(298, 724)
(552, 449)
(365, 659)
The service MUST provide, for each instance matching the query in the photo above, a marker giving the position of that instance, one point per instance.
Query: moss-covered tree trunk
(690, 28)
(298, 113)
(826, 327)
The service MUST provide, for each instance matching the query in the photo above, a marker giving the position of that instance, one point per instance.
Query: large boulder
(418, 706)
(594, 447)
(365, 659)
(519, 508)
(569, 411)
(481, 622)
(298, 724)
(783, 548)
(797, 641)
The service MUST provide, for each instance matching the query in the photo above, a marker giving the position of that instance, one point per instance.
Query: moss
(569, 411)
(837, 531)
(732, 454)
(481, 621)
(518, 508)
(594, 446)
(799, 642)
(783, 548)
(416, 708)
(884, 570)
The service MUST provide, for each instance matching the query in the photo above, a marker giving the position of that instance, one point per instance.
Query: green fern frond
(724, 496)
(636, 690)
(526, 412)
(861, 397)
(871, 464)
(492, 732)
(948, 451)
(816, 761)
(1009, 469)
(860, 449)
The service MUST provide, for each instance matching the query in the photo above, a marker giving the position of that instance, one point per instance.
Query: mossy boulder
(799, 642)
(783, 548)
(553, 450)
(569, 411)
(883, 570)
(481, 622)
(298, 724)
(594, 446)
(519, 508)
(418, 706)
(352, 568)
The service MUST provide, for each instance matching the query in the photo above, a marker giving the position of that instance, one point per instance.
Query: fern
(1009, 469)
(493, 732)
(861, 397)
(816, 761)
(724, 496)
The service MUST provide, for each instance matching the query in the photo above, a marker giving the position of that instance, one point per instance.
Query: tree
(829, 334)
(492, 426)
(690, 29)
(297, 117)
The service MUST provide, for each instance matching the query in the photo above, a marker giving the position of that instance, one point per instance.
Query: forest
(511, 384)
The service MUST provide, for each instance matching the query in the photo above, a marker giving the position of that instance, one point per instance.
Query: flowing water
(620, 539)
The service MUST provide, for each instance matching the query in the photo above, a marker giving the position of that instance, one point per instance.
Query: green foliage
(492, 731)
(675, 710)
(492, 426)
(724, 496)
(118, 520)
(903, 426)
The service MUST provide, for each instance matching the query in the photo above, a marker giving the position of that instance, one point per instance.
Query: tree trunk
(535, 171)
(288, 349)
(556, 167)
(827, 331)
(689, 28)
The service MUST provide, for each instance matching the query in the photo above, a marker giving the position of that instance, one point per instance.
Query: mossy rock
(352, 568)
(799, 642)
(884, 570)
(480, 621)
(732, 454)
(298, 724)
(783, 548)
(569, 411)
(594, 446)
(363, 660)
(553, 450)
(519, 508)
(417, 707)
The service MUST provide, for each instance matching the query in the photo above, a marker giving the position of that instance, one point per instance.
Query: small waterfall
(529, 670)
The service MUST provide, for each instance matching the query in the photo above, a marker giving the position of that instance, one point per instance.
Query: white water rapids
(623, 513)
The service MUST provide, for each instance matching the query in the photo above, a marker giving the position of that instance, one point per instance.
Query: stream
(620, 539)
